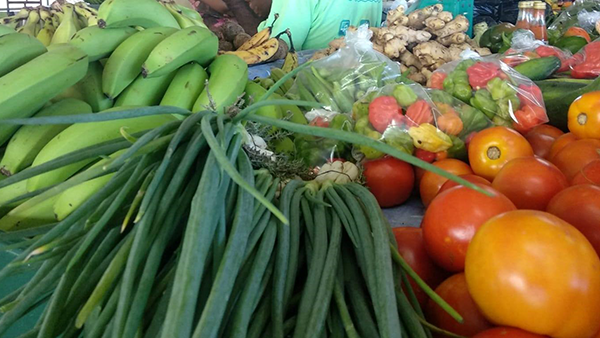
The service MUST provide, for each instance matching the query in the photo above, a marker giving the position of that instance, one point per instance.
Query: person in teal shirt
(314, 23)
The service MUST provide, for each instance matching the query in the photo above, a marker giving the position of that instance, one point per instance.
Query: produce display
(150, 188)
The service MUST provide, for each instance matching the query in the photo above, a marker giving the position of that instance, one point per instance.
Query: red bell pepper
(481, 73)
(589, 68)
(528, 117)
(530, 95)
(419, 112)
(384, 111)
(437, 80)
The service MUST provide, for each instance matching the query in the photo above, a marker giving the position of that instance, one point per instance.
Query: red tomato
(560, 143)
(590, 174)
(455, 292)
(579, 205)
(383, 111)
(452, 220)
(431, 183)
(576, 155)
(541, 139)
(506, 332)
(469, 177)
(412, 249)
(530, 182)
(491, 148)
(390, 180)
(531, 270)
(419, 175)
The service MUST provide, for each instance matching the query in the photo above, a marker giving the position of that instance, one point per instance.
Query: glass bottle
(522, 18)
(538, 26)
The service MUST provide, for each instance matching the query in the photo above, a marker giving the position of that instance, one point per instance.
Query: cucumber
(539, 69)
(557, 106)
(554, 88)
(571, 43)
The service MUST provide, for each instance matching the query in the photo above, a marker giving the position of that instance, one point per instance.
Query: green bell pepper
(483, 101)
(405, 95)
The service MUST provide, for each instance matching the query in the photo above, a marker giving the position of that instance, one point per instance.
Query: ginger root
(446, 16)
(460, 24)
(409, 59)
(454, 39)
(434, 23)
(397, 17)
(417, 18)
(409, 35)
(393, 47)
(430, 52)
(337, 43)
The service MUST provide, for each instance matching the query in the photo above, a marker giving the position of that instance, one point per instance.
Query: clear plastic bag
(340, 79)
(585, 64)
(413, 119)
(583, 13)
(525, 47)
(490, 85)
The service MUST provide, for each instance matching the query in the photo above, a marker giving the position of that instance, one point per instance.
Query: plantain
(291, 59)
(258, 54)
(259, 38)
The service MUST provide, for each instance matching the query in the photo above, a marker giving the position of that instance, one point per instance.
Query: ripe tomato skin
(576, 155)
(431, 183)
(530, 182)
(491, 148)
(455, 292)
(390, 180)
(452, 219)
(584, 116)
(560, 143)
(419, 175)
(528, 264)
(579, 206)
(412, 248)
(541, 139)
(469, 177)
(590, 174)
(506, 332)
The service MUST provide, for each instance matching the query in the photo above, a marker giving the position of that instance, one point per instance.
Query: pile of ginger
(421, 41)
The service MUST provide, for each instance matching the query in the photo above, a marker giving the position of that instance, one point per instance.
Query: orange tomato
(560, 143)
(530, 182)
(590, 174)
(580, 206)
(506, 332)
(541, 139)
(455, 292)
(431, 183)
(469, 177)
(491, 148)
(452, 220)
(584, 116)
(531, 270)
(577, 31)
(576, 155)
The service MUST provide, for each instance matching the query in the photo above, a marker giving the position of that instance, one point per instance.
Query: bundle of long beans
(188, 240)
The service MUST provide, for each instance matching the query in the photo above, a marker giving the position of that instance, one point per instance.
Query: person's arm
(297, 15)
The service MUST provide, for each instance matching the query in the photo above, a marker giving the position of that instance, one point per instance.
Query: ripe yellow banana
(29, 140)
(228, 77)
(192, 44)
(125, 63)
(145, 91)
(258, 54)
(259, 38)
(186, 86)
(125, 13)
(26, 89)
(99, 43)
(67, 28)
(83, 135)
(16, 50)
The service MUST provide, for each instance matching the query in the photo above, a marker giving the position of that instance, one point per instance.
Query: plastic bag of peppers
(428, 123)
(586, 62)
(501, 93)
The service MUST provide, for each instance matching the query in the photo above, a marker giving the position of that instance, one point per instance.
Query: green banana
(192, 44)
(27, 89)
(31, 27)
(9, 192)
(228, 77)
(90, 88)
(73, 197)
(67, 28)
(253, 93)
(6, 30)
(190, 13)
(143, 13)
(84, 135)
(186, 86)
(277, 74)
(295, 114)
(25, 216)
(145, 92)
(181, 19)
(125, 63)
(16, 50)
(46, 33)
(29, 140)
(99, 43)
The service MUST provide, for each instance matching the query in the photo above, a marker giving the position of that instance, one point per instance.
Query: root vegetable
(409, 59)
(410, 35)
(282, 51)
(231, 30)
(416, 19)
(454, 39)
(240, 39)
(445, 16)
(397, 17)
(393, 48)
(434, 23)
(225, 46)
(460, 24)
(337, 43)
(431, 51)
(418, 77)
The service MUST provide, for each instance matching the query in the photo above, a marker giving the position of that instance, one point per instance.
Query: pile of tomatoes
(522, 260)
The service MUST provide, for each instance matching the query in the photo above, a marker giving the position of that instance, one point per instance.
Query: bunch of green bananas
(155, 63)
(290, 63)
